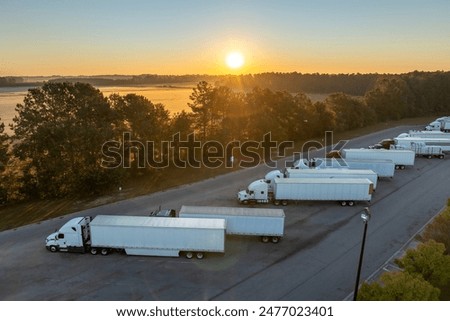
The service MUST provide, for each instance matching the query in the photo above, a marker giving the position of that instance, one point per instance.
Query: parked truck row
(346, 175)
(196, 230)
(426, 143)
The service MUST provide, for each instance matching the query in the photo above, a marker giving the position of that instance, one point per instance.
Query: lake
(174, 98)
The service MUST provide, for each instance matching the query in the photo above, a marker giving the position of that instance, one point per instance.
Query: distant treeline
(11, 81)
(61, 127)
(352, 84)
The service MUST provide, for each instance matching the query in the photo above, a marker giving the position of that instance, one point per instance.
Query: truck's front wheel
(53, 248)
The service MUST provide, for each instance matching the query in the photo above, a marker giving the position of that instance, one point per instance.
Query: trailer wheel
(402, 167)
(343, 203)
(200, 255)
(284, 202)
(397, 167)
(104, 252)
(276, 202)
(429, 156)
(189, 255)
(264, 239)
(275, 239)
(351, 203)
(53, 248)
(94, 251)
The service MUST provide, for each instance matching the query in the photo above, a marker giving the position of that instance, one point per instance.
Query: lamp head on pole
(366, 215)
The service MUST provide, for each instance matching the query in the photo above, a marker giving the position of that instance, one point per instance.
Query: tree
(146, 126)
(428, 261)
(205, 117)
(323, 119)
(351, 112)
(181, 123)
(439, 230)
(60, 129)
(272, 112)
(390, 98)
(398, 286)
(139, 116)
(4, 146)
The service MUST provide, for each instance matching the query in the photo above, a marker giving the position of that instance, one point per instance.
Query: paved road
(316, 260)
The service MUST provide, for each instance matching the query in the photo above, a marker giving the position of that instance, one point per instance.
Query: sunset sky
(81, 37)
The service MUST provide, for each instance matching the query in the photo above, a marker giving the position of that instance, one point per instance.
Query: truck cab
(257, 192)
(384, 144)
(74, 236)
(270, 176)
(436, 125)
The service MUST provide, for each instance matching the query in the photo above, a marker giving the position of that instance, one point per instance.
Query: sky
(98, 37)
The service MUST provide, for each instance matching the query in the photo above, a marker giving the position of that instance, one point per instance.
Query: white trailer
(344, 190)
(141, 235)
(425, 134)
(401, 158)
(266, 223)
(333, 173)
(382, 167)
(412, 142)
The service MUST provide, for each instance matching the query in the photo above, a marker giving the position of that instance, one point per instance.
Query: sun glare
(235, 60)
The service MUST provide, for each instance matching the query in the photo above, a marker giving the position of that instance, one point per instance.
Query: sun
(235, 60)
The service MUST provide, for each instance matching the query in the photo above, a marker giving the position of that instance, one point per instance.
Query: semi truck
(344, 190)
(401, 158)
(441, 124)
(265, 223)
(382, 167)
(140, 235)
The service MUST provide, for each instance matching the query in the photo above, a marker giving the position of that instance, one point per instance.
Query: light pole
(366, 218)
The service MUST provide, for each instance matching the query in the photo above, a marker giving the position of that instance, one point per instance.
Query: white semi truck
(401, 158)
(344, 190)
(441, 124)
(382, 167)
(265, 223)
(140, 235)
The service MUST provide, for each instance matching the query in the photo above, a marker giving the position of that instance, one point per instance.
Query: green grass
(15, 215)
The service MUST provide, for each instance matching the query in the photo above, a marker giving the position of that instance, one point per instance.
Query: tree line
(60, 127)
